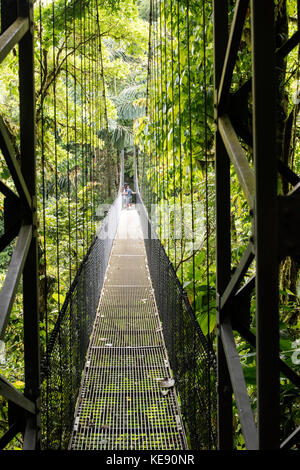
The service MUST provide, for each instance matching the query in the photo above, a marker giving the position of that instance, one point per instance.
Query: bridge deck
(124, 402)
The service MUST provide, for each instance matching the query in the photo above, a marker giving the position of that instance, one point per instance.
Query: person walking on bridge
(129, 194)
(124, 196)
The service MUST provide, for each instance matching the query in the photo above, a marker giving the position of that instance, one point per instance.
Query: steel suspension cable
(181, 189)
(179, 140)
(153, 116)
(108, 146)
(173, 137)
(94, 113)
(191, 149)
(74, 111)
(100, 88)
(149, 107)
(156, 110)
(88, 124)
(91, 103)
(75, 134)
(68, 138)
(87, 119)
(68, 179)
(166, 215)
(83, 110)
(54, 58)
(161, 127)
(193, 365)
(45, 285)
(206, 208)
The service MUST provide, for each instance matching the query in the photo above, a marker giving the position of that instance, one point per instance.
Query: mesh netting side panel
(63, 365)
(192, 361)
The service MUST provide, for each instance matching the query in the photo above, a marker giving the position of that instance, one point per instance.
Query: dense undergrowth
(171, 121)
(177, 170)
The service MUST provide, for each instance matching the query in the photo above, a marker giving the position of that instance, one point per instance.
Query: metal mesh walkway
(127, 398)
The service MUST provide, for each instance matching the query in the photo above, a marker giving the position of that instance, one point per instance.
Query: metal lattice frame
(272, 234)
(20, 221)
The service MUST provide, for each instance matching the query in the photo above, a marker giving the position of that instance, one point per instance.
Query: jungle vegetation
(176, 167)
(76, 172)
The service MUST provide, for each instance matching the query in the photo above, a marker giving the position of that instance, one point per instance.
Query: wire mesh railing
(191, 357)
(65, 357)
(123, 402)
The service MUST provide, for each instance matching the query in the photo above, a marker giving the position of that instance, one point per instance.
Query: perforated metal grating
(122, 402)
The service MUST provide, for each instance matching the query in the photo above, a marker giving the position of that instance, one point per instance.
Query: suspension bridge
(124, 363)
(128, 399)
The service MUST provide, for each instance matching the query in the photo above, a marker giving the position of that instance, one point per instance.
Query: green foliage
(176, 167)
(87, 95)
(77, 148)
(144, 9)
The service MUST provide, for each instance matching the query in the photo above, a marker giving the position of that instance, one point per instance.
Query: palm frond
(127, 104)
(120, 136)
(118, 52)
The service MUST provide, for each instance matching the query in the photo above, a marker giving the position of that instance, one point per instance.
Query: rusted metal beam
(14, 429)
(289, 224)
(10, 393)
(265, 223)
(288, 46)
(223, 249)
(9, 235)
(31, 269)
(7, 191)
(239, 387)
(13, 165)
(238, 158)
(9, 288)
(232, 50)
(12, 35)
(293, 439)
(251, 339)
(239, 273)
(30, 434)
